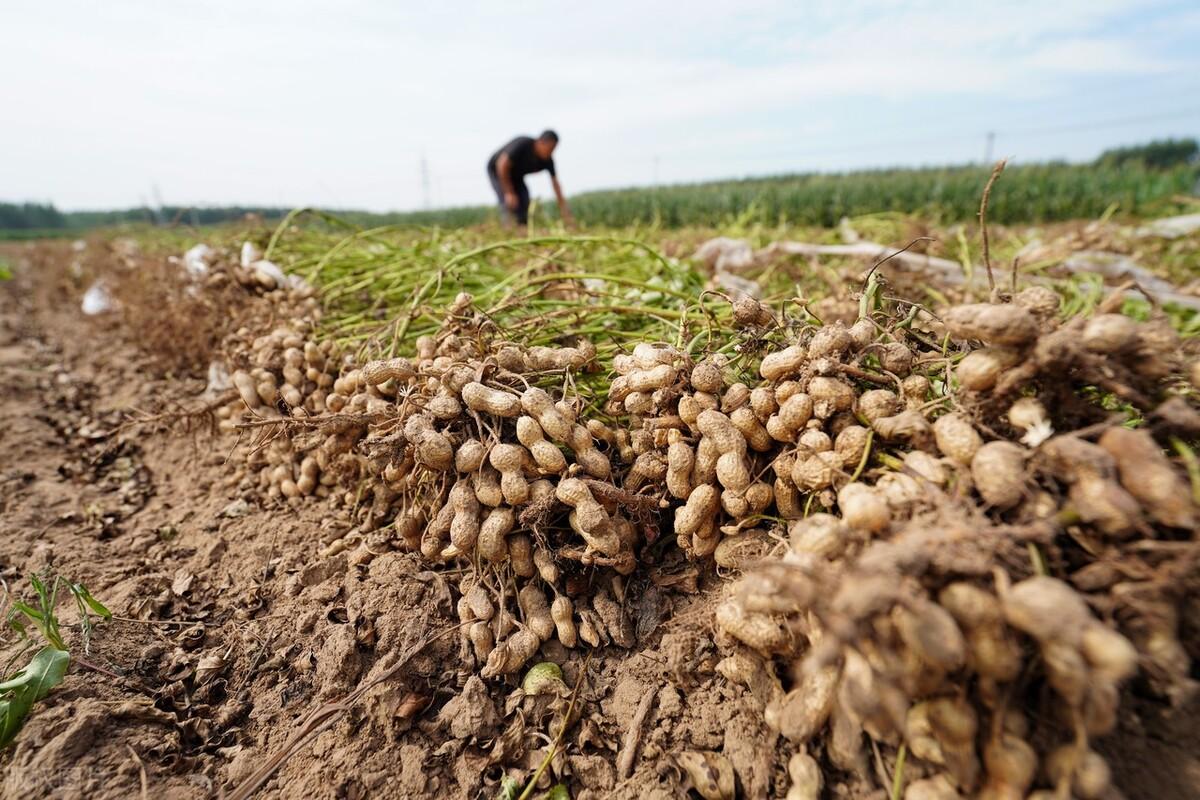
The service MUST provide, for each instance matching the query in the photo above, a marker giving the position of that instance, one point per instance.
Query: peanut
(374, 373)
(549, 458)
(562, 612)
(748, 425)
(508, 459)
(680, 459)
(470, 455)
(520, 554)
(706, 377)
(464, 528)
(492, 543)
(537, 611)
(701, 505)
(782, 363)
(717, 427)
(486, 483)
(590, 519)
(492, 401)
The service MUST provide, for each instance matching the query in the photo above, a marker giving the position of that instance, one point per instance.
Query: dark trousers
(521, 213)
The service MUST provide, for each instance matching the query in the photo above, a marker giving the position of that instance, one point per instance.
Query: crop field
(804, 488)
(1033, 193)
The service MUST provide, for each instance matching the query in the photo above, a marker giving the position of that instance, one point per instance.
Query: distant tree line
(44, 216)
(25, 216)
(1160, 154)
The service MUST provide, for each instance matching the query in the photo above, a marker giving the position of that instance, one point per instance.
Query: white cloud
(295, 103)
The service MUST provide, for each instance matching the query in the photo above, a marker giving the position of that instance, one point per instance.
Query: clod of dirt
(470, 713)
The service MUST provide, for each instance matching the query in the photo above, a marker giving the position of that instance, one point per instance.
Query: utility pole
(159, 212)
(425, 193)
(987, 150)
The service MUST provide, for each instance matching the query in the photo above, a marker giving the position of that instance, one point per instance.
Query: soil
(237, 618)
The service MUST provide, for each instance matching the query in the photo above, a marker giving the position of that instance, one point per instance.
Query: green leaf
(12, 714)
(98, 608)
(44, 671)
(40, 588)
(509, 788)
(34, 615)
(45, 622)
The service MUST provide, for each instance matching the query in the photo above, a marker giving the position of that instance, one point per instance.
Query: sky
(397, 105)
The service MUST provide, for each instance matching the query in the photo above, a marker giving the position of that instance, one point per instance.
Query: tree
(27, 216)
(1158, 154)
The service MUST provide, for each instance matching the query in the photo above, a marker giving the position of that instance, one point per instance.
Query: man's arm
(564, 210)
(504, 172)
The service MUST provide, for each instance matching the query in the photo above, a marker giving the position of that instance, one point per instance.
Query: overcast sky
(337, 103)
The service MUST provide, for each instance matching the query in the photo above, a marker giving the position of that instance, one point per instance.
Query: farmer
(510, 164)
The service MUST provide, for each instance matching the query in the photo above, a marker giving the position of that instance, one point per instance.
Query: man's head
(544, 145)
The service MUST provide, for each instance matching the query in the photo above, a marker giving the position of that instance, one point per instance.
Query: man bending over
(508, 167)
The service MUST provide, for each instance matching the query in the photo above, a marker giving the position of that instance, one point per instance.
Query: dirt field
(277, 616)
(237, 621)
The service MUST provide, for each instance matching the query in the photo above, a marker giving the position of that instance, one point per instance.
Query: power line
(963, 137)
(1112, 122)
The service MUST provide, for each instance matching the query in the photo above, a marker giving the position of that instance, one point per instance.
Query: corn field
(1040, 193)
(1028, 194)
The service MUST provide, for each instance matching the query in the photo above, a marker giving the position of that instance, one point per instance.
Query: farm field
(857, 505)
(1034, 193)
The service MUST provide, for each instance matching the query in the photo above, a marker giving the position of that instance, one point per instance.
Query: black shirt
(524, 159)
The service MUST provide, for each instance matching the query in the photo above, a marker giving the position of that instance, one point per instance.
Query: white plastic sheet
(1170, 227)
(218, 379)
(196, 260)
(263, 267)
(97, 300)
(725, 254)
(250, 254)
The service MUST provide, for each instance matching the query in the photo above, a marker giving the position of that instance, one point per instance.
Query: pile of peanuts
(875, 482)
(899, 616)
(284, 371)
(1112, 486)
(734, 454)
(447, 450)
(880, 640)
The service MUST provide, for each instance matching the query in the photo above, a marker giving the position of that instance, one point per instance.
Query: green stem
(866, 455)
(898, 777)
(1039, 562)
(337, 248)
(578, 276)
(890, 461)
(291, 215)
(281, 227)
(517, 243)
(1191, 464)
(562, 729)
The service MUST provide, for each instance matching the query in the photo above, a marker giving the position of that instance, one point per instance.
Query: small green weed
(49, 665)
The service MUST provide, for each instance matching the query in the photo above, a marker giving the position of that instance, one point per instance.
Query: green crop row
(1025, 194)
(1038, 193)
